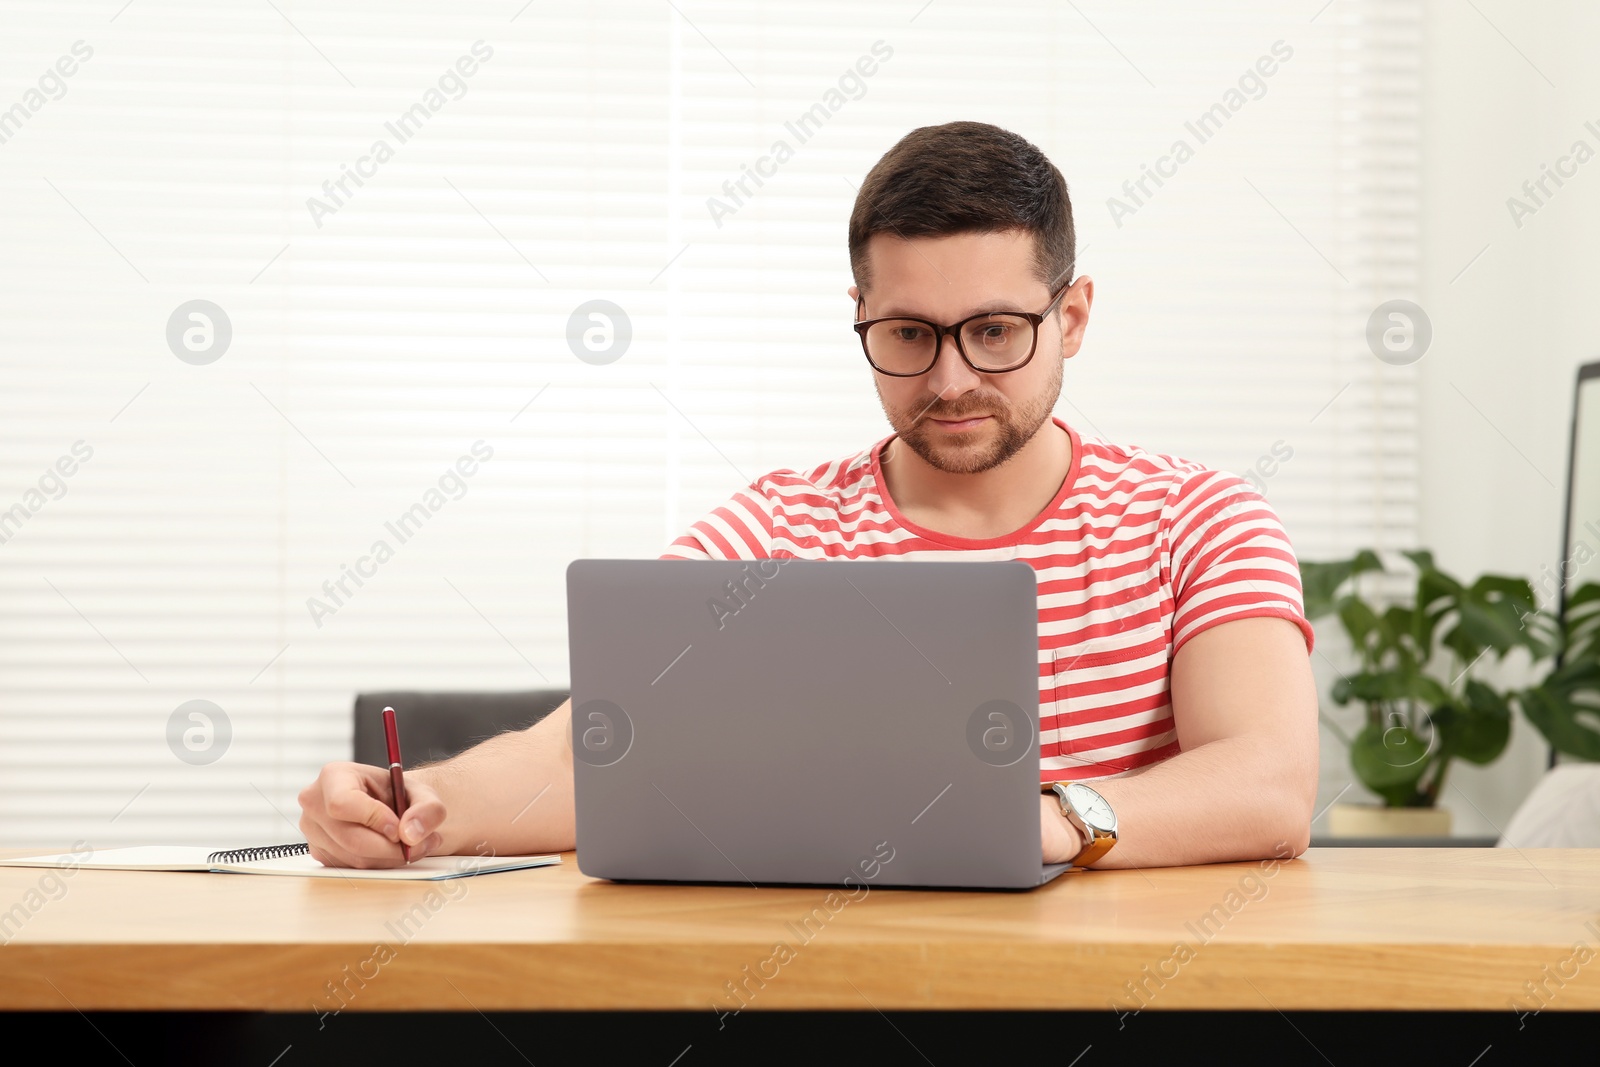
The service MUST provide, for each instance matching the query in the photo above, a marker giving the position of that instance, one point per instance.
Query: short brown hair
(965, 177)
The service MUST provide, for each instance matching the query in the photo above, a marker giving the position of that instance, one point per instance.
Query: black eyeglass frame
(954, 331)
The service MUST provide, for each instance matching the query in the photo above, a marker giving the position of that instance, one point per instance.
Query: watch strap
(1099, 845)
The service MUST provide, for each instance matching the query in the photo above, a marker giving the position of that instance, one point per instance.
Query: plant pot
(1373, 820)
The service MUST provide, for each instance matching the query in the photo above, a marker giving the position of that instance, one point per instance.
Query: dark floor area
(702, 1038)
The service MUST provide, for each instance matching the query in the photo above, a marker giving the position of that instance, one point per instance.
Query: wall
(1508, 87)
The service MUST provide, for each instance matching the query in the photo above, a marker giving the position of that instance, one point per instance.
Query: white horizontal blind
(381, 333)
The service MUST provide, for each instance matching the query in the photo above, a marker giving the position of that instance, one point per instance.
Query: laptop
(784, 722)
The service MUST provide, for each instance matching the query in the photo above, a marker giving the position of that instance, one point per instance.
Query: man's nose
(950, 376)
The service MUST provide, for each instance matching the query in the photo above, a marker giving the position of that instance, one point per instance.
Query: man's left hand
(1059, 839)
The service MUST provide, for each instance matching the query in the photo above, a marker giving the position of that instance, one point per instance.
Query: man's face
(957, 419)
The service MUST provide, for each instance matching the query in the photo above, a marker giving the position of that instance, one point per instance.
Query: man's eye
(909, 334)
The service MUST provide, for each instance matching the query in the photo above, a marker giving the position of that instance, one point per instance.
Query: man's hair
(965, 177)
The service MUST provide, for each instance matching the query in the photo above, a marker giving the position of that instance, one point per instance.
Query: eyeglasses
(991, 342)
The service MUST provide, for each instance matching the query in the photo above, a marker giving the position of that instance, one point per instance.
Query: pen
(391, 734)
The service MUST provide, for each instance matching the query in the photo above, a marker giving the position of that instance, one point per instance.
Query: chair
(1563, 811)
(436, 726)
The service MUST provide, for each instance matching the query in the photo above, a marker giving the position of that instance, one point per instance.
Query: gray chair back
(436, 726)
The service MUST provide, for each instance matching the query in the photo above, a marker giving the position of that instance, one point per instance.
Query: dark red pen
(391, 734)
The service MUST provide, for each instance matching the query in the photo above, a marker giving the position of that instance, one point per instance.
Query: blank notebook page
(191, 858)
(429, 868)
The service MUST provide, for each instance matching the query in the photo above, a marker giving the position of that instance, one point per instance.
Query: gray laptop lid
(806, 722)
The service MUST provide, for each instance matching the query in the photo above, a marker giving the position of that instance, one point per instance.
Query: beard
(1011, 427)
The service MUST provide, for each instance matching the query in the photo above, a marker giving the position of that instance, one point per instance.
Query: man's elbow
(1285, 773)
(1294, 806)
(1283, 830)
(1294, 838)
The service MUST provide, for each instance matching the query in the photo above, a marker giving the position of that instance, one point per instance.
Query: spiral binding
(265, 852)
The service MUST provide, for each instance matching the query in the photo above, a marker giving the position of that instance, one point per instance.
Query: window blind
(397, 224)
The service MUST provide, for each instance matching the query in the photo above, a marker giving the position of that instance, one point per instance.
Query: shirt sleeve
(1230, 558)
(739, 529)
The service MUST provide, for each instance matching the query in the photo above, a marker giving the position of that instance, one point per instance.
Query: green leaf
(1477, 729)
(1543, 636)
(1483, 699)
(1496, 625)
(1390, 761)
(1420, 558)
(1565, 708)
(1319, 582)
(1398, 622)
(1359, 620)
(1502, 587)
(1437, 596)
(1494, 613)
(1428, 690)
(1366, 686)
(1389, 686)
(1459, 641)
(1581, 626)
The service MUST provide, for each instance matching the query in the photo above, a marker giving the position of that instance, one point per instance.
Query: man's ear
(1074, 314)
(855, 294)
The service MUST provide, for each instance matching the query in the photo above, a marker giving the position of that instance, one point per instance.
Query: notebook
(291, 859)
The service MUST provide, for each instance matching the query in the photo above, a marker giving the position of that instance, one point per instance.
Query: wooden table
(1336, 929)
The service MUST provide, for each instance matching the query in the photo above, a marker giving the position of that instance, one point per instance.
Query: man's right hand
(509, 796)
(347, 820)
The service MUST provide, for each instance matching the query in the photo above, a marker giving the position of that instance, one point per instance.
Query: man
(1173, 649)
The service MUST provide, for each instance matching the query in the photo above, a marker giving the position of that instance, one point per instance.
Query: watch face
(1091, 807)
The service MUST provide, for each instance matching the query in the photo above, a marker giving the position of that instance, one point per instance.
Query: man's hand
(508, 796)
(1059, 838)
(347, 820)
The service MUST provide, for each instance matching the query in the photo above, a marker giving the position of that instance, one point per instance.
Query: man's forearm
(511, 794)
(1235, 798)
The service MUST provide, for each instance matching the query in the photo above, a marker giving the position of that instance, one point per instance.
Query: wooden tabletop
(1337, 929)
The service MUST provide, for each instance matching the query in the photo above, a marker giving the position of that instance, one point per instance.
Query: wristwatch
(1089, 812)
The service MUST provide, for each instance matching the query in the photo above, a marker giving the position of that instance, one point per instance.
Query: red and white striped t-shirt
(1136, 554)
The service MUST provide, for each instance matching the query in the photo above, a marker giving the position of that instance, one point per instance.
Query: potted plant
(1424, 705)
